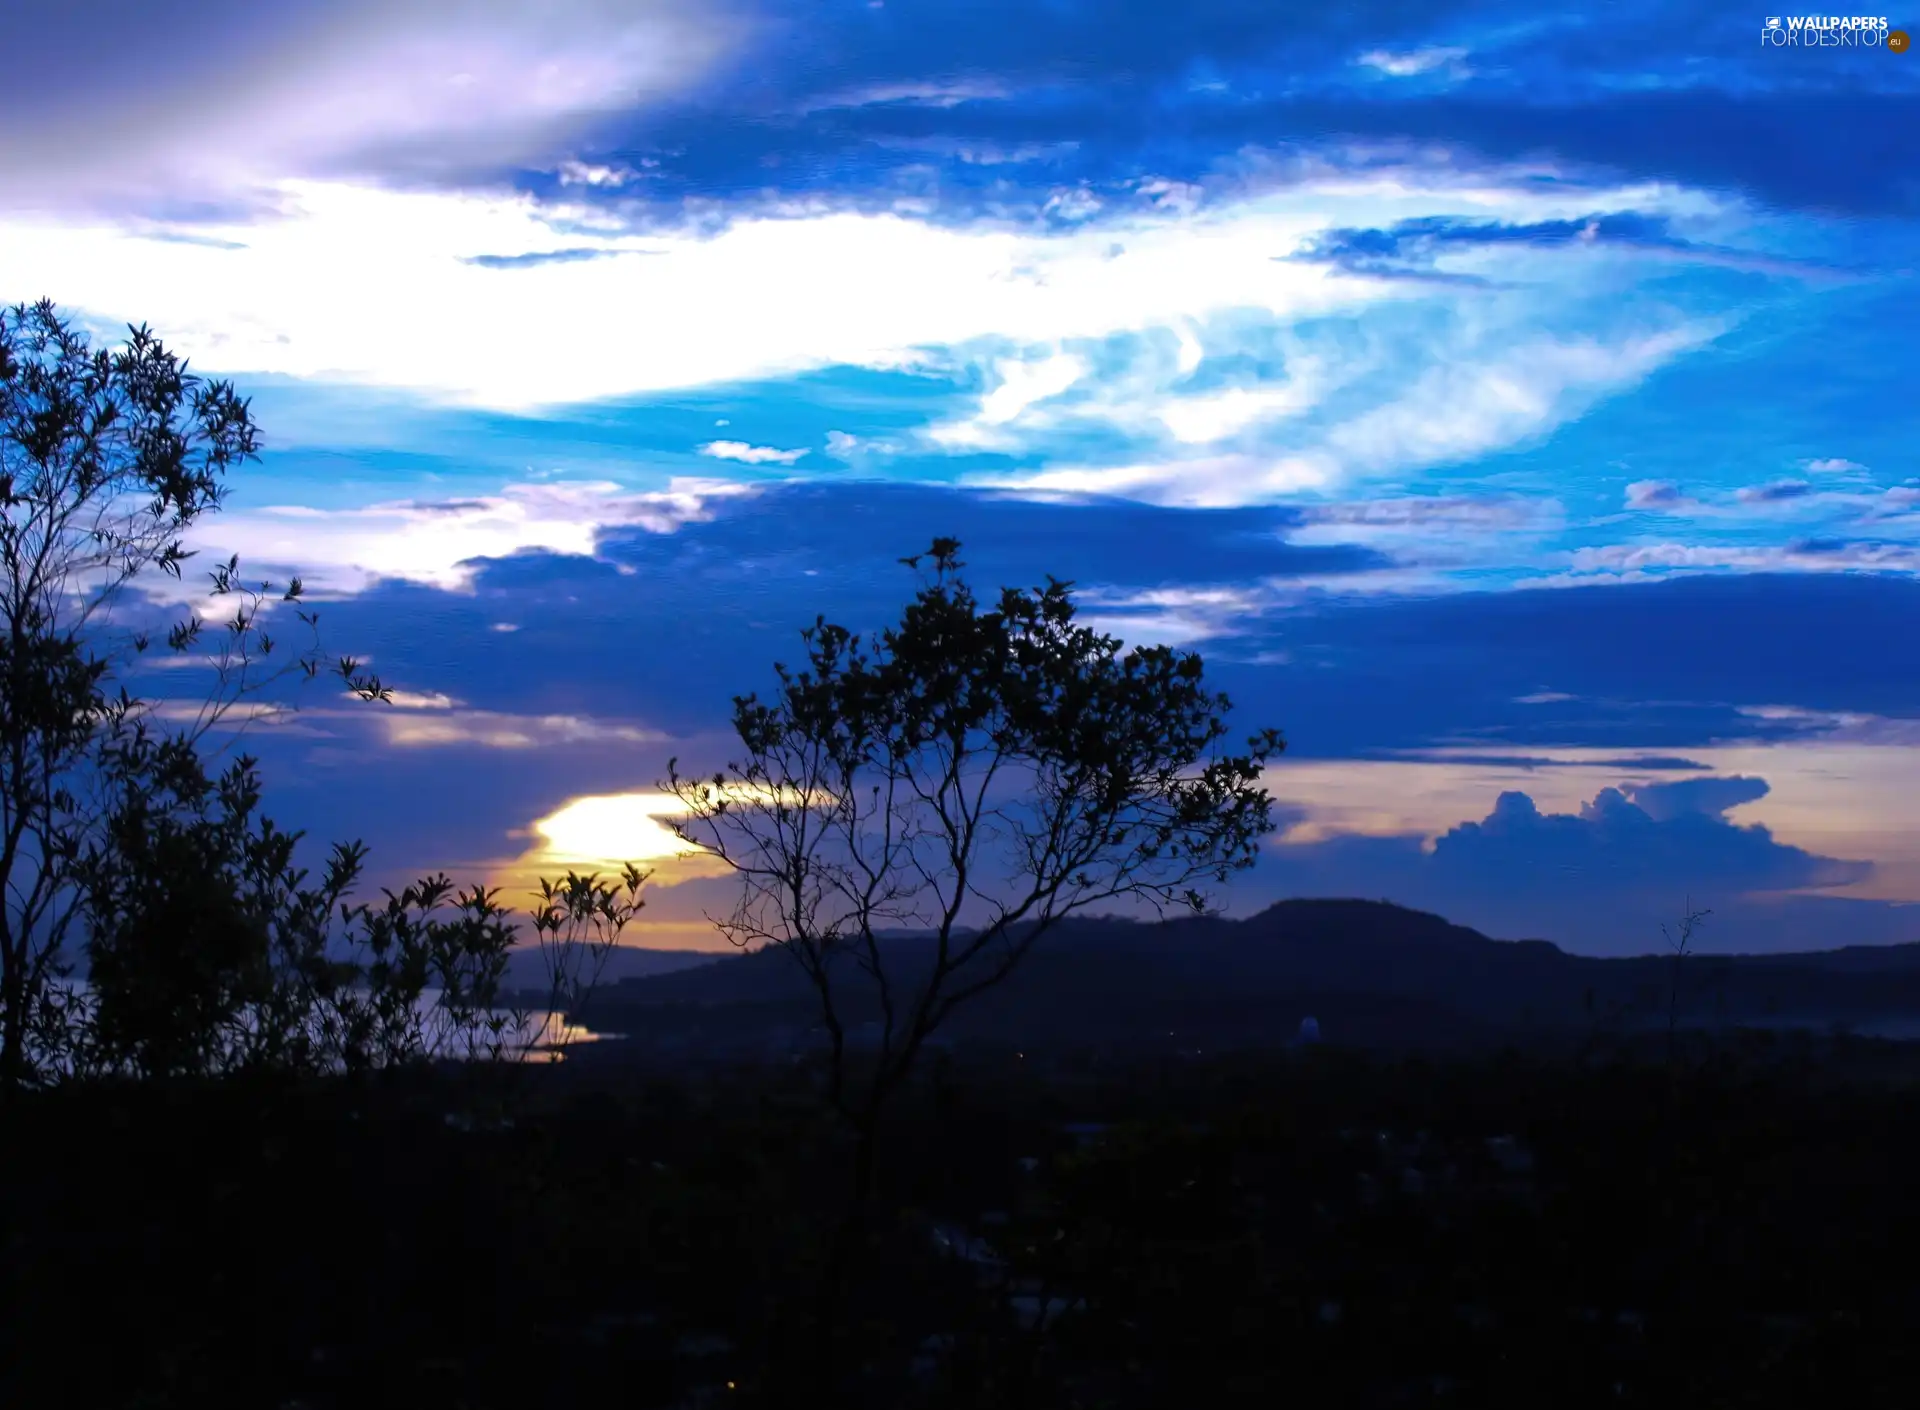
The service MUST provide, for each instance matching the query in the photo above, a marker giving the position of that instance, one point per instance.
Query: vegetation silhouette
(208, 950)
(982, 771)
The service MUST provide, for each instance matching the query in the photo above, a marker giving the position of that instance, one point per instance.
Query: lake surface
(544, 1034)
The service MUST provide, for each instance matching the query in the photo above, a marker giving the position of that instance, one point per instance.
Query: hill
(1371, 972)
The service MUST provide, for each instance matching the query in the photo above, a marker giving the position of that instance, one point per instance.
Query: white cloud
(750, 454)
(578, 173)
(1640, 562)
(1208, 417)
(1168, 616)
(1482, 394)
(949, 94)
(419, 700)
(489, 730)
(1462, 409)
(1206, 482)
(1409, 63)
(427, 541)
(1022, 385)
(378, 287)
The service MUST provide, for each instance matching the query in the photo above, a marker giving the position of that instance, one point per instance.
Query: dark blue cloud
(1409, 248)
(1617, 847)
(668, 627)
(572, 256)
(1659, 665)
(989, 106)
(1626, 763)
(665, 629)
(1777, 492)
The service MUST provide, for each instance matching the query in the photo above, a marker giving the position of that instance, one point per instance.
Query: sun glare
(614, 828)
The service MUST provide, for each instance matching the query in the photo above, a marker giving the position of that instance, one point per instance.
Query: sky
(1513, 404)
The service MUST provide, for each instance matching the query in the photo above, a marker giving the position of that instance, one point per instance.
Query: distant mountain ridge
(526, 967)
(1364, 968)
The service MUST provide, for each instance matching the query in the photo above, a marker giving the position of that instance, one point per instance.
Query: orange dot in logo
(1899, 41)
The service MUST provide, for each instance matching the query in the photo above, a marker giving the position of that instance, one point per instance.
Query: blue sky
(1514, 404)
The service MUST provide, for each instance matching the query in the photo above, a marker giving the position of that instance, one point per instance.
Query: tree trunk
(13, 1028)
(840, 1277)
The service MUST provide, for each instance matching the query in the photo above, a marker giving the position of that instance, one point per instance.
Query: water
(537, 1035)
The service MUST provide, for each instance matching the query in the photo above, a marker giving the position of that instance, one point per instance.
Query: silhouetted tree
(107, 458)
(208, 949)
(1680, 945)
(577, 923)
(979, 773)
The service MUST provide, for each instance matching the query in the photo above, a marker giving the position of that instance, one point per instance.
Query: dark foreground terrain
(1733, 1228)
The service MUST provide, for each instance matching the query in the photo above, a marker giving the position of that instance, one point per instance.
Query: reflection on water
(550, 1034)
(532, 1035)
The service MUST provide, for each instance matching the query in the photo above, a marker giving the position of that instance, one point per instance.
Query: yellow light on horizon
(613, 828)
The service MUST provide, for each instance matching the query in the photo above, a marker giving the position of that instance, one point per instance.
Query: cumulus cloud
(1602, 877)
(750, 454)
(1834, 465)
(1711, 796)
(1616, 843)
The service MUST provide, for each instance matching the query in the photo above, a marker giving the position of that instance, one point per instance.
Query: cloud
(879, 106)
(609, 829)
(1602, 878)
(1777, 492)
(1655, 494)
(947, 93)
(214, 102)
(750, 454)
(576, 255)
(1412, 249)
(1639, 561)
(1708, 796)
(442, 541)
(1834, 465)
(1298, 634)
(1455, 411)
(1417, 61)
(1033, 314)
(1616, 845)
(1478, 400)
(717, 306)
(578, 173)
(491, 730)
